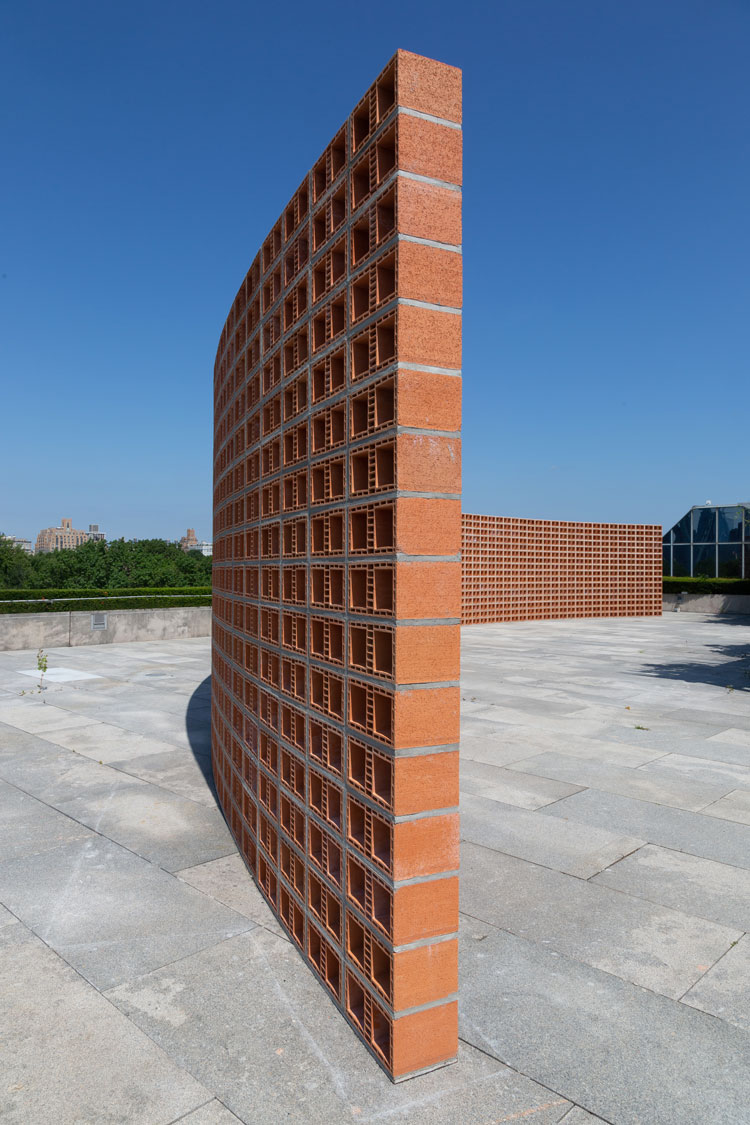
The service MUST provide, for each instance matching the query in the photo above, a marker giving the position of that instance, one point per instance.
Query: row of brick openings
(336, 566)
(525, 570)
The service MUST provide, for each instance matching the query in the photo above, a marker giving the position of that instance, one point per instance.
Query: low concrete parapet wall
(70, 629)
(707, 603)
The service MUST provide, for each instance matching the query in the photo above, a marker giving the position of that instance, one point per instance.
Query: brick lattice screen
(536, 570)
(336, 565)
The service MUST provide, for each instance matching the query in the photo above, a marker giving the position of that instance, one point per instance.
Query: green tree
(151, 563)
(16, 566)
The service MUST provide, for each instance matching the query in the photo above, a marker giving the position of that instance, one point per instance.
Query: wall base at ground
(63, 630)
(707, 603)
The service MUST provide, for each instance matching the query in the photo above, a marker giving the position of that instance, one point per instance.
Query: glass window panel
(681, 530)
(704, 562)
(730, 561)
(747, 530)
(681, 562)
(667, 538)
(667, 560)
(730, 525)
(747, 560)
(704, 525)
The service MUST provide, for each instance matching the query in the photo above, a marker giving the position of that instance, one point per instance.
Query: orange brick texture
(538, 570)
(337, 574)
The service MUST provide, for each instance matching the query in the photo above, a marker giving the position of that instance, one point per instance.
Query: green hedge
(95, 605)
(149, 591)
(707, 585)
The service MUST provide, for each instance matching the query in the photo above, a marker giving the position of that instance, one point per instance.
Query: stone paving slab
(577, 849)
(518, 789)
(681, 793)
(33, 716)
(733, 736)
(726, 775)
(732, 716)
(690, 832)
(105, 742)
(701, 887)
(214, 1113)
(724, 991)
(179, 773)
(735, 806)
(156, 824)
(662, 949)
(110, 914)
(226, 880)
(684, 743)
(54, 775)
(578, 1116)
(69, 1057)
(28, 827)
(616, 1050)
(286, 1054)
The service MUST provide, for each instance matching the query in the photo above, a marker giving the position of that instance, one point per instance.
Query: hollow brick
(427, 590)
(427, 654)
(429, 400)
(428, 463)
(430, 149)
(429, 86)
(429, 211)
(429, 273)
(428, 526)
(429, 337)
(426, 717)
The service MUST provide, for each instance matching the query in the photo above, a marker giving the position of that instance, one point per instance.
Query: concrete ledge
(707, 603)
(59, 630)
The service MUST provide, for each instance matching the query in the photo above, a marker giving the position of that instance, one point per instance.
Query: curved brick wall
(337, 582)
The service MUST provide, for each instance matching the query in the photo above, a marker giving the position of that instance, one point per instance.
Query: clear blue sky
(148, 147)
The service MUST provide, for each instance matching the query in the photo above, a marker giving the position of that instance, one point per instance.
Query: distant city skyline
(31, 532)
(605, 357)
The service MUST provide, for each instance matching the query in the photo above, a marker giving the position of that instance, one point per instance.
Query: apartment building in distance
(65, 536)
(19, 541)
(190, 542)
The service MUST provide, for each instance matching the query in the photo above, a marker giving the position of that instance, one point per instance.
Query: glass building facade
(709, 542)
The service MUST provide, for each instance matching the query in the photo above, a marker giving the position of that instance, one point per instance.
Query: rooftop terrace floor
(605, 896)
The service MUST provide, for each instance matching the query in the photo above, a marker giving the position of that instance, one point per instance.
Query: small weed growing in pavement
(638, 727)
(41, 665)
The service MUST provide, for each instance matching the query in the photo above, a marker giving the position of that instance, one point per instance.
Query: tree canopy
(101, 565)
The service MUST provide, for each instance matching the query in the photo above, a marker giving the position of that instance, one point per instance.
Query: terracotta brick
(424, 1039)
(428, 846)
(425, 910)
(427, 654)
(428, 589)
(429, 86)
(428, 527)
(425, 974)
(429, 211)
(427, 273)
(427, 463)
(426, 717)
(428, 400)
(429, 337)
(429, 149)
(429, 781)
